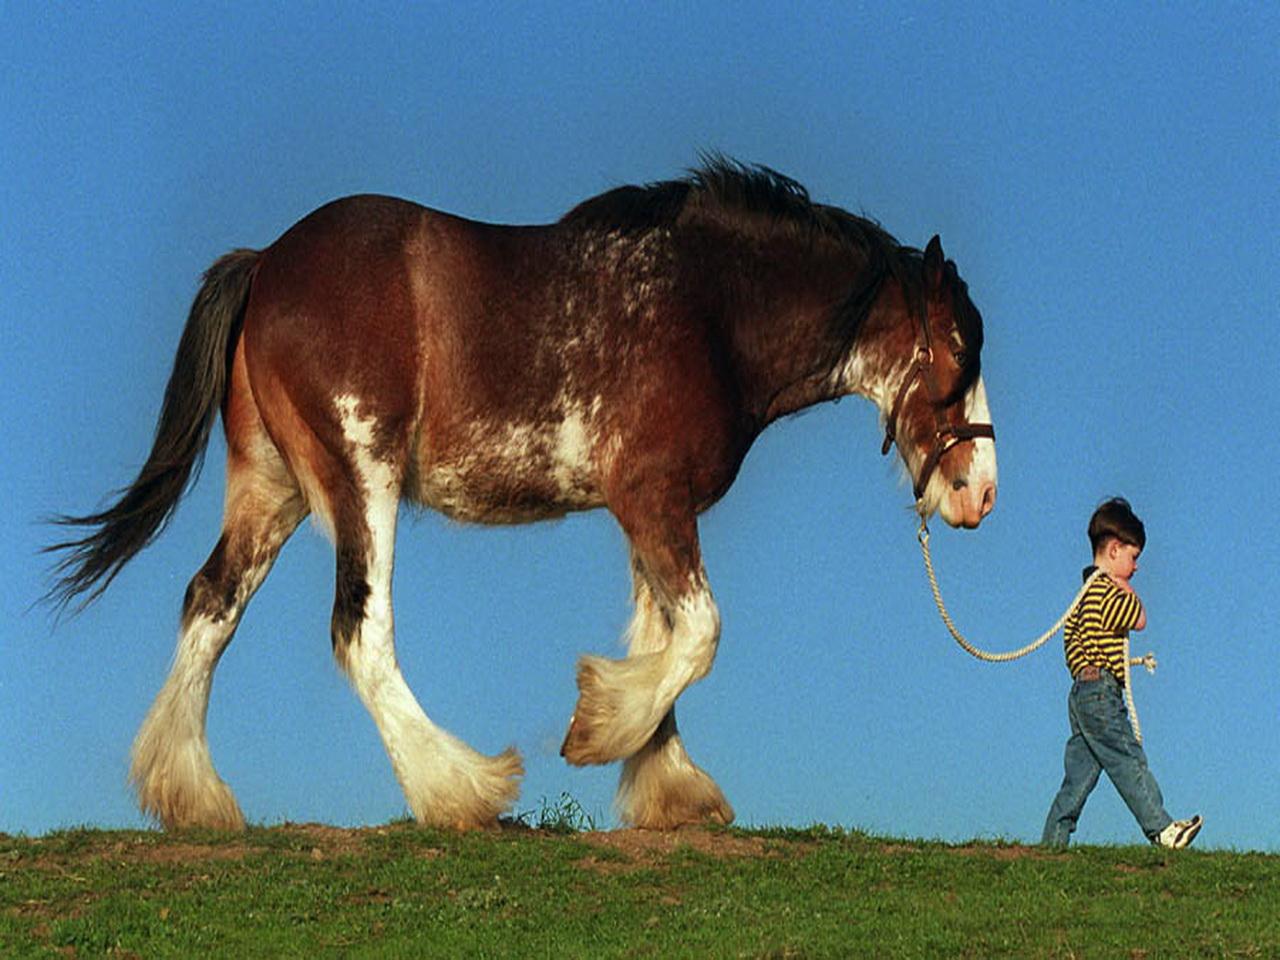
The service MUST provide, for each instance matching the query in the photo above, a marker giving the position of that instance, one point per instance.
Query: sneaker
(1180, 833)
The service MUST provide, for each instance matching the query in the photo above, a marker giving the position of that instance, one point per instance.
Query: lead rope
(1149, 661)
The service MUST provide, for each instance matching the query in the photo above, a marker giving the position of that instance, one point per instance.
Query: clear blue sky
(1106, 180)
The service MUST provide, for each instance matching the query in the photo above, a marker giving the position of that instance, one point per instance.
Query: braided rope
(1149, 661)
(923, 536)
(1128, 694)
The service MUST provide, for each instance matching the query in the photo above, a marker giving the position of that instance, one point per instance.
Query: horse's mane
(757, 197)
(727, 187)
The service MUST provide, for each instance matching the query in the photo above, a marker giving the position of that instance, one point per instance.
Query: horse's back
(354, 256)
(430, 333)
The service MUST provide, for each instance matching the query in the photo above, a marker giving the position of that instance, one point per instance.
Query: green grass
(564, 815)
(525, 891)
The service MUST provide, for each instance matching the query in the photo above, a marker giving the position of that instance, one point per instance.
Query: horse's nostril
(988, 498)
(959, 483)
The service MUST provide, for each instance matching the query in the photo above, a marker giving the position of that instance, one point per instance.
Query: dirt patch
(618, 850)
(60, 854)
(148, 851)
(1146, 868)
(644, 848)
(326, 842)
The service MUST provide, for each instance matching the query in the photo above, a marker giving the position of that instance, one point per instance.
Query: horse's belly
(512, 473)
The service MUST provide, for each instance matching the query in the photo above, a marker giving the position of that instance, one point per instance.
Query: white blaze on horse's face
(963, 488)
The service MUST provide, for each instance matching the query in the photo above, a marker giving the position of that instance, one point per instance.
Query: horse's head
(939, 416)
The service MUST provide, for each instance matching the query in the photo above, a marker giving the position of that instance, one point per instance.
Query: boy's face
(1119, 559)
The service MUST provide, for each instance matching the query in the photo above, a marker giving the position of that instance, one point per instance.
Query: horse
(625, 356)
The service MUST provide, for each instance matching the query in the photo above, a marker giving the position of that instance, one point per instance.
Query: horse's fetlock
(661, 788)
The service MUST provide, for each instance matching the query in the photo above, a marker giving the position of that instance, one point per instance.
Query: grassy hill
(401, 891)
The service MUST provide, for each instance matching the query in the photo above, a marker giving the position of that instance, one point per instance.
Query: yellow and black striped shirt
(1095, 630)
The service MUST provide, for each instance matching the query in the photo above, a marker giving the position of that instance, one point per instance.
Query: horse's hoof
(578, 748)
(568, 735)
(571, 748)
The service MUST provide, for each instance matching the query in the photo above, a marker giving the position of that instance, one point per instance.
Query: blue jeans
(1102, 739)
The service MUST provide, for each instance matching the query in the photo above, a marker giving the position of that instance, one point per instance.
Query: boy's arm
(1127, 587)
(1123, 610)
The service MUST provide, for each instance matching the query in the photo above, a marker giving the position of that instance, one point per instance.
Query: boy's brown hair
(1115, 519)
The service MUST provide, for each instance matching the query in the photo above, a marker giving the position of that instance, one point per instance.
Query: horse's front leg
(621, 703)
(660, 787)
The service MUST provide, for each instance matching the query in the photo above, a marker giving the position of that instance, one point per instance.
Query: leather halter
(945, 435)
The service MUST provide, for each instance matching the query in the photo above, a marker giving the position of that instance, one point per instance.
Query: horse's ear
(935, 262)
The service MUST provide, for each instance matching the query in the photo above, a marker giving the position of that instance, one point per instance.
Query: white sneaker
(1180, 833)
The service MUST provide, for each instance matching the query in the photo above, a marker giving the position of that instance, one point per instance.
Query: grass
(541, 888)
(564, 815)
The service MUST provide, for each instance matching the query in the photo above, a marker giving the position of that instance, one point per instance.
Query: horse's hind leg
(172, 770)
(660, 787)
(445, 782)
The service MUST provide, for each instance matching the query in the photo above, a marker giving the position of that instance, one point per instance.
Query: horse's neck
(801, 390)
(884, 350)
(802, 358)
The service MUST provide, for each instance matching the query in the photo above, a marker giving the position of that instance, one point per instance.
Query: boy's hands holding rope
(1149, 661)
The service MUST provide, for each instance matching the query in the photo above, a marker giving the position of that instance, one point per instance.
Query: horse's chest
(512, 472)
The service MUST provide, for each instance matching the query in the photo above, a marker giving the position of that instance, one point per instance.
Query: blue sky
(1104, 178)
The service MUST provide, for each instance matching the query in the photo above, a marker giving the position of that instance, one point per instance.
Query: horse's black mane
(760, 195)
(728, 186)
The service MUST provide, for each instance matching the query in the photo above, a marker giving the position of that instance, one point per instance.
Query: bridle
(945, 435)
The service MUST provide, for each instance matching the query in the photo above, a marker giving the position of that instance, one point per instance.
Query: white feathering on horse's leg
(445, 782)
(661, 788)
(171, 769)
(621, 702)
(618, 710)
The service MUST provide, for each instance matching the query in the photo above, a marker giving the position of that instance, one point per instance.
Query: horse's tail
(192, 400)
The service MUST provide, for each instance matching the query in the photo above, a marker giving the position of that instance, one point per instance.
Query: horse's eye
(962, 359)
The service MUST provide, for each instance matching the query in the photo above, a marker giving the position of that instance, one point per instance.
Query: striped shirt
(1095, 631)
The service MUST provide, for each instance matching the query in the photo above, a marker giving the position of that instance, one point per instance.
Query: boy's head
(1115, 520)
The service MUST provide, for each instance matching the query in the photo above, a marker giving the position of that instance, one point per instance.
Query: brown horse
(625, 357)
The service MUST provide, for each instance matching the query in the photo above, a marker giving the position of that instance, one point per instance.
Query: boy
(1101, 735)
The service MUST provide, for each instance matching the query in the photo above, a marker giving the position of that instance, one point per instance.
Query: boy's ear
(1106, 549)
